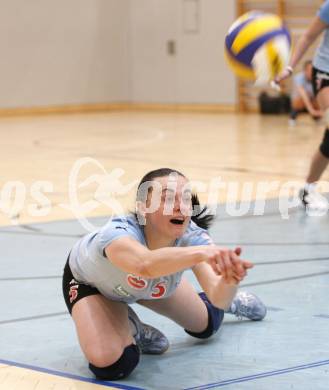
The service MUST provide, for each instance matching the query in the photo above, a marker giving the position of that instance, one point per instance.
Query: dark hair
(203, 218)
(201, 215)
(161, 172)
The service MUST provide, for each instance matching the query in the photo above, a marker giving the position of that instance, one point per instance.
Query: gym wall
(114, 51)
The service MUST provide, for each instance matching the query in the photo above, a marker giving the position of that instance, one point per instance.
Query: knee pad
(215, 318)
(121, 368)
(324, 147)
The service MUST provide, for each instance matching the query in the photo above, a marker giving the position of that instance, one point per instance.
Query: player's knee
(100, 357)
(215, 318)
(324, 147)
(119, 369)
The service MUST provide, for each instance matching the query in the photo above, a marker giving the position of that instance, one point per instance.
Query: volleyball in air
(257, 46)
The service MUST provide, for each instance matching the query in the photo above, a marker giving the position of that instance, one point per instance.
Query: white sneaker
(292, 122)
(313, 201)
(247, 305)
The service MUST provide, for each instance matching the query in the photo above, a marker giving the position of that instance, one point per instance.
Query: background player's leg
(318, 165)
(320, 161)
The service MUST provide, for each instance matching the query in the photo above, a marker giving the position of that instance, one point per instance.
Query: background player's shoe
(312, 200)
(247, 305)
(292, 122)
(148, 339)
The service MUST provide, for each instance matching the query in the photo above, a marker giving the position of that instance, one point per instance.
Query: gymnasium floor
(289, 349)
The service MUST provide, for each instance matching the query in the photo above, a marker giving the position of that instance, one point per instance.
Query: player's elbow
(146, 270)
(143, 266)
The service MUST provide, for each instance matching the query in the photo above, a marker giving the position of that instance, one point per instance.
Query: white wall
(198, 72)
(63, 52)
(102, 51)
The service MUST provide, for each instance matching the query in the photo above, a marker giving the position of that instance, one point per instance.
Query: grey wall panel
(203, 75)
(63, 52)
(154, 72)
(197, 72)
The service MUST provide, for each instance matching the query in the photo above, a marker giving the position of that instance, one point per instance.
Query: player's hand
(276, 86)
(287, 72)
(228, 264)
(317, 114)
(234, 269)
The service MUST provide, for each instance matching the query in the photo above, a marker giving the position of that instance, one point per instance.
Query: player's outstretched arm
(133, 257)
(316, 27)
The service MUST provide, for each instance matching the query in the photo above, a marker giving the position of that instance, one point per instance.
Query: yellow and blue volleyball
(257, 46)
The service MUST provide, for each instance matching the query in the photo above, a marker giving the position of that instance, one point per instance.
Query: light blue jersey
(89, 264)
(321, 59)
(301, 81)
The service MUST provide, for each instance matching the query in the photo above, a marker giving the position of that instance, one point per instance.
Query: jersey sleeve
(196, 236)
(323, 12)
(118, 227)
(201, 238)
(299, 80)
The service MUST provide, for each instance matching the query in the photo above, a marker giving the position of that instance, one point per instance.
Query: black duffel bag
(274, 104)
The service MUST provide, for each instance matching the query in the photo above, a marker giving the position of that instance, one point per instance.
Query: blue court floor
(288, 350)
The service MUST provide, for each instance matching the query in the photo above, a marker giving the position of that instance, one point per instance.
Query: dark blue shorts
(74, 290)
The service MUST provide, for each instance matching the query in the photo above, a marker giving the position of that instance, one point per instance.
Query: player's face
(170, 206)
